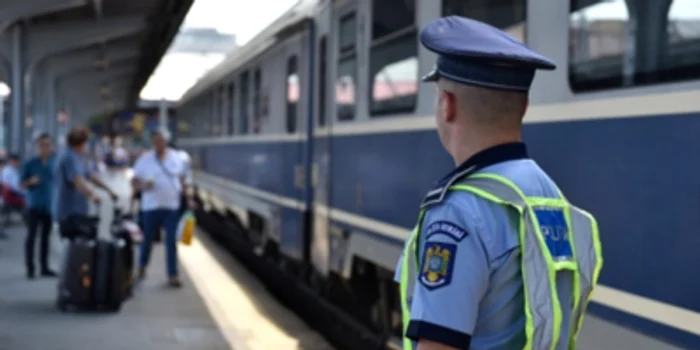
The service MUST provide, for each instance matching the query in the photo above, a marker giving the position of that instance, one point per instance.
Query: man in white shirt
(160, 176)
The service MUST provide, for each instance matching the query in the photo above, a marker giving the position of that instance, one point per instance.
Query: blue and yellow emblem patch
(438, 261)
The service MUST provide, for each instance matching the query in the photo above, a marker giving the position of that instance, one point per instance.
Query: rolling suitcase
(120, 232)
(96, 273)
(109, 288)
(77, 274)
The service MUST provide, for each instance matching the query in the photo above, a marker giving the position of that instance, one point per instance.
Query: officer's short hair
(14, 157)
(490, 107)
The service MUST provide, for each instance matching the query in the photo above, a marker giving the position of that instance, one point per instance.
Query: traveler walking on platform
(37, 179)
(13, 194)
(119, 155)
(159, 175)
(13, 200)
(499, 259)
(71, 193)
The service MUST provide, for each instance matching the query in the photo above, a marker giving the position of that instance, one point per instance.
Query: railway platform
(220, 307)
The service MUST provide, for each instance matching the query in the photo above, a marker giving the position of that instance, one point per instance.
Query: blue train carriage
(247, 117)
(322, 149)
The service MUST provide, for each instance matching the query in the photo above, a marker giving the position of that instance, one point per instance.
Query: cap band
(468, 72)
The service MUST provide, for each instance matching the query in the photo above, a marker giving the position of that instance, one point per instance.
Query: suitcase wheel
(61, 305)
(115, 308)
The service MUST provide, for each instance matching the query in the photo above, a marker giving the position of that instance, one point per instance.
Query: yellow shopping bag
(186, 228)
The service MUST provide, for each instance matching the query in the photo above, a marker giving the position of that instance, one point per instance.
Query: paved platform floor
(156, 318)
(220, 307)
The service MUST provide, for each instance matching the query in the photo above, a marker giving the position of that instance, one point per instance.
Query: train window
(507, 15)
(292, 94)
(612, 46)
(390, 16)
(216, 113)
(231, 96)
(223, 111)
(257, 116)
(243, 112)
(345, 88)
(393, 57)
(348, 30)
(346, 80)
(322, 76)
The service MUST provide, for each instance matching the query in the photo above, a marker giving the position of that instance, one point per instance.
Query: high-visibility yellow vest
(539, 267)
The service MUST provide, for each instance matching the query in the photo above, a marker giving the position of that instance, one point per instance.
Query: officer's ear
(448, 105)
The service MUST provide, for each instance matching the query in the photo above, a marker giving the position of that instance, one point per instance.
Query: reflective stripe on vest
(539, 267)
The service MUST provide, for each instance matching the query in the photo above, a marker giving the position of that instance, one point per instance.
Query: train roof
(301, 11)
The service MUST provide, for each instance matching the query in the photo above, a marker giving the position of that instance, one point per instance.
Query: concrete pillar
(3, 129)
(17, 120)
(51, 112)
(163, 114)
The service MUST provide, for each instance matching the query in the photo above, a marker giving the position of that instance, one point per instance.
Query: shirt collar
(490, 156)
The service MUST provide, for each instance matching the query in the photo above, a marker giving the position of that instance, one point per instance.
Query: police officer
(499, 259)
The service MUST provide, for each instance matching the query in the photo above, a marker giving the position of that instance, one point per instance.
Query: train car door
(336, 98)
(321, 166)
(293, 218)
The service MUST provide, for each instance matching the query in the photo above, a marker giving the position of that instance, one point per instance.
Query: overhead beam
(33, 44)
(92, 57)
(46, 40)
(78, 85)
(61, 65)
(14, 10)
(122, 68)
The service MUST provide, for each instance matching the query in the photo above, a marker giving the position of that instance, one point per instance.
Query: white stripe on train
(653, 310)
(610, 108)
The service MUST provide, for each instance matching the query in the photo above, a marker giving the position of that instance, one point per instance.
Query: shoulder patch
(446, 228)
(437, 265)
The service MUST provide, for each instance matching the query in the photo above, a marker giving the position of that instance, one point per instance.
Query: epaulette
(437, 194)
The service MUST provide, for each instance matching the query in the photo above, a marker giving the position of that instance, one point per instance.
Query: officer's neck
(478, 140)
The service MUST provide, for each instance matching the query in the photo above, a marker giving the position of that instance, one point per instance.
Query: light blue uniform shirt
(479, 302)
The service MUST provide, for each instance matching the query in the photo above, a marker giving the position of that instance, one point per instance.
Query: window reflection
(611, 45)
(395, 86)
(347, 70)
(393, 57)
(292, 94)
(293, 88)
(345, 89)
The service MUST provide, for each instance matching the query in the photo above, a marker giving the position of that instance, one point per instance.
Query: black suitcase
(93, 275)
(109, 289)
(126, 251)
(77, 274)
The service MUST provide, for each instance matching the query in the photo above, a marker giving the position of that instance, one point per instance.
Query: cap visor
(434, 75)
